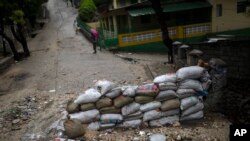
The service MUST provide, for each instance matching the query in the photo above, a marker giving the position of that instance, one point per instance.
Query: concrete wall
(230, 19)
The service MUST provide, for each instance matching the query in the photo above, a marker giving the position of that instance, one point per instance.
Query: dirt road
(35, 91)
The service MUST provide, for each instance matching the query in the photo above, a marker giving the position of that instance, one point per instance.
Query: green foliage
(87, 10)
(18, 17)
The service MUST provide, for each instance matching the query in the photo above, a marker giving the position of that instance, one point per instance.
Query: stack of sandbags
(189, 88)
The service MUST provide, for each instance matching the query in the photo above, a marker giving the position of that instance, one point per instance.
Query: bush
(87, 10)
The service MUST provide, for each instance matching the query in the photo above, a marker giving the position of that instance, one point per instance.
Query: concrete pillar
(109, 21)
(115, 4)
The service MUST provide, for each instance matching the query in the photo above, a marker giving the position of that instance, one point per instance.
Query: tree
(87, 10)
(14, 13)
(156, 5)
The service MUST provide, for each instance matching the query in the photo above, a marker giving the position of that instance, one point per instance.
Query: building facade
(132, 24)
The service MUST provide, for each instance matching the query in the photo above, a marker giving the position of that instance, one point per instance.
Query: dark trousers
(94, 46)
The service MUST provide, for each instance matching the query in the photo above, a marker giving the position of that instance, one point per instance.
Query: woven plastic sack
(107, 126)
(134, 116)
(111, 118)
(73, 128)
(171, 77)
(150, 106)
(89, 96)
(152, 115)
(94, 126)
(194, 116)
(183, 93)
(164, 121)
(129, 90)
(143, 99)
(110, 110)
(198, 107)
(104, 86)
(157, 137)
(130, 108)
(170, 112)
(147, 90)
(167, 86)
(170, 104)
(122, 101)
(131, 124)
(166, 95)
(114, 93)
(191, 84)
(86, 117)
(192, 72)
(188, 102)
(72, 107)
(88, 106)
(103, 102)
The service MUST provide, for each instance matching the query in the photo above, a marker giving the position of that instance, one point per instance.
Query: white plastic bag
(87, 116)
(130, 108)
(183, 93)
(129, 90)
(199, 106)
(197, 115)
(150, 106)
(164, 121)
(94, 126)
(90, 95)
(104, 86)
(152, 115)
(131, 124)
(191, 84)
(167, 86)
(192, 72)
(171, 77)
(188, 102)
(166, 95)
(114, 93)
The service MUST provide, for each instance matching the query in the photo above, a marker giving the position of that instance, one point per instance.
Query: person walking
(94, 36)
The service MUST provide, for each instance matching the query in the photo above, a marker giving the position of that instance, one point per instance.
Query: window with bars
(241, 6)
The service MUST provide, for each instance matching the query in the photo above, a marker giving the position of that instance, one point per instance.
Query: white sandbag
(150, 106)
(90, 95)
(157, 137)
(129, 90)
(167, 86)
(111, 118)
(94, 126)
(166, 95)
(114, 93)
(130, 108)
(164, 121)
(197, 115)
(192, 72)
(188, 102)
(191, 84)
(87, 116)
(131, 124)
(171, 77)
(183, 93)
(107, 126)
(104, 86)
(170, 113)
(198, 107)
(152, 115)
